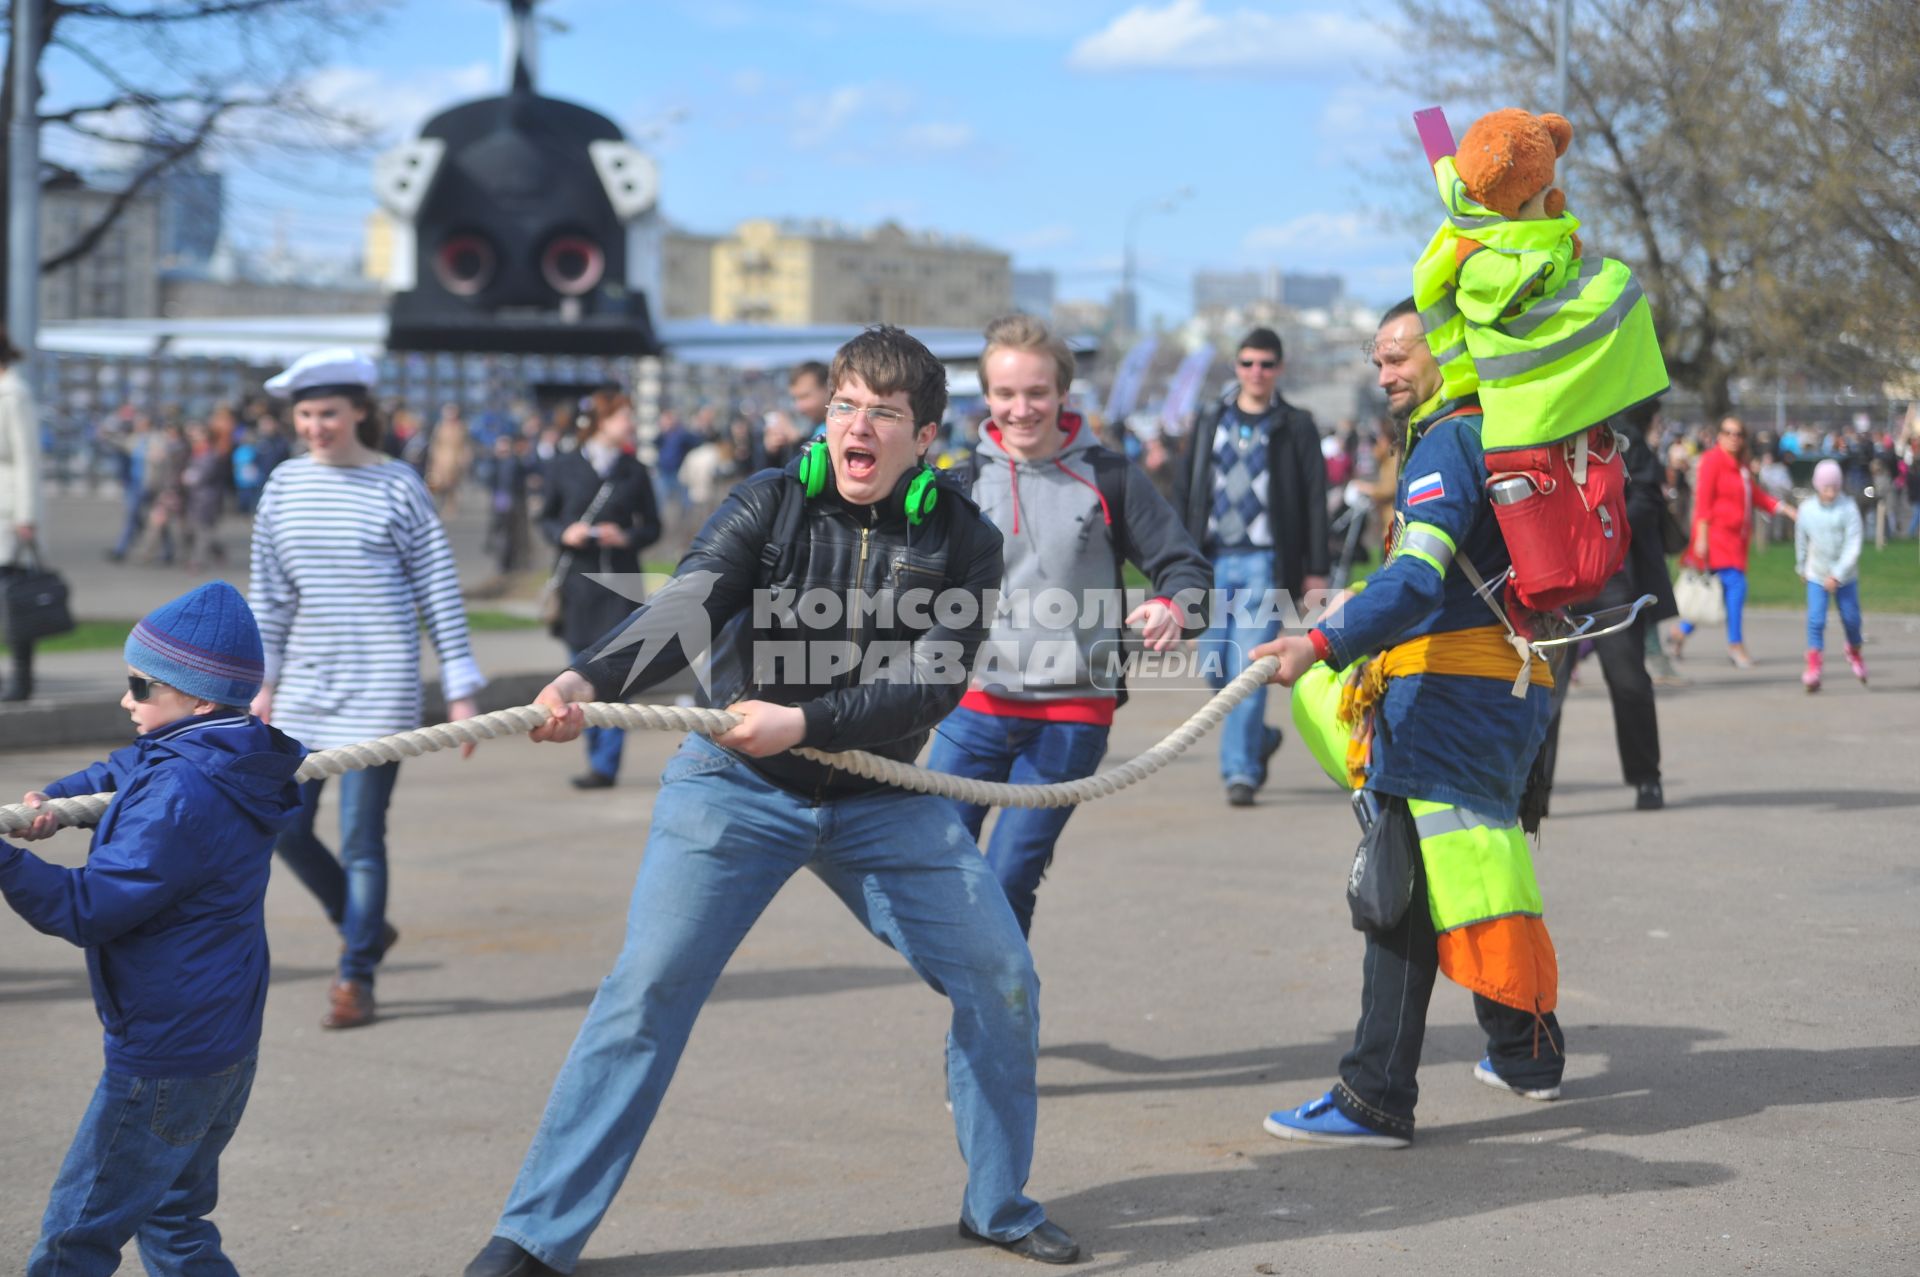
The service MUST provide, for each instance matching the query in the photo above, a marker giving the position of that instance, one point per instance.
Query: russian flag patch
(1428, 487)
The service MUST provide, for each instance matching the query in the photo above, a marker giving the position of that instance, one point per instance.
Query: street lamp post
(23, 181)
(1129, 299)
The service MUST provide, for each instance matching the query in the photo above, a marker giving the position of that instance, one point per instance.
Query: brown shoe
(349, 1005)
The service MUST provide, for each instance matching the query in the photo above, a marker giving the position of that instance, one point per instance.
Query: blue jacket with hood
(169, 905)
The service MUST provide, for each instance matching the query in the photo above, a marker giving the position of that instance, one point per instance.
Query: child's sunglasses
(141, 689)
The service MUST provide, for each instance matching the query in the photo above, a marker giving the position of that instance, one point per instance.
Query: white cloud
(747, 82)
(1330, 235)
(397, 108)
(1184, 35)
(938, 135)
(1045, 239)
(820, 117)
(1363, 121)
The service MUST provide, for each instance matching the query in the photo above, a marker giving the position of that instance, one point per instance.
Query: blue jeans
(1242, 580)
(604, 745)
(1026, 751)
(1848, 596)
(134, 500)
(144, 1164)
(723, 841)
(1733, 587)
(352, 889)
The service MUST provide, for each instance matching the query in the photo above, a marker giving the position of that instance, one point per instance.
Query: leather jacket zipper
(853, 633)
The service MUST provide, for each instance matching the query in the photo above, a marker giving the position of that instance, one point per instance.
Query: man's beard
(1397, 437)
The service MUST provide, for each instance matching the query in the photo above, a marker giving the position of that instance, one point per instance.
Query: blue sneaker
(1319, 1122)
(1483, 1072)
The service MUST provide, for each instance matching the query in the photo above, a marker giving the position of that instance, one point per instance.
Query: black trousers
(22, 685)
(1377, 1085)
(1623, 662)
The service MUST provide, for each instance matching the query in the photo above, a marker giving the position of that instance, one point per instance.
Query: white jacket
(1827, 539)
(19, 461)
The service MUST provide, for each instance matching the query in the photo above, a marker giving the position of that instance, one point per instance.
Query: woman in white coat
(19, 491)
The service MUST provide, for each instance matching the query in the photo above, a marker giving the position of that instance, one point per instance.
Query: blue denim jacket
(1438, 737)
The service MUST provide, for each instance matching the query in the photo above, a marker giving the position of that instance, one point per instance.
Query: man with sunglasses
(738, 815)
(1255, 490)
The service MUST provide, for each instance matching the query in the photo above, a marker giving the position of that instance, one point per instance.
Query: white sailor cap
(325, 372)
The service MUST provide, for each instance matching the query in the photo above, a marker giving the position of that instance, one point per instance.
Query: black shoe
(592, 780)
(1649, 796)
(1240, 795)
(502, 1258)
(1271, 740)
(1048, 1244)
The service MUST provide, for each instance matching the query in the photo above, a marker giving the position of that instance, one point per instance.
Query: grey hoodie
(1061, 613)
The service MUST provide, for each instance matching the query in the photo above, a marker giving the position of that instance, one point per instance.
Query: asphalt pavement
(1737, 985)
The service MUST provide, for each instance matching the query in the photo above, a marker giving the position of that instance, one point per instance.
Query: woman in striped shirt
(348, 559)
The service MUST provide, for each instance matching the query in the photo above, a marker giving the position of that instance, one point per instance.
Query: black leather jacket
(874, 679)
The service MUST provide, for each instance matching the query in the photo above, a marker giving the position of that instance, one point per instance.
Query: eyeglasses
(1259, 363)
(841, 410)
(1733, 434)
(141, 689)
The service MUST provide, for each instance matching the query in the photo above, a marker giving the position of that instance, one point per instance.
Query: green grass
(1889, 578)
(483, 621)
(87, 636)
(99, 636)
(1889, 582)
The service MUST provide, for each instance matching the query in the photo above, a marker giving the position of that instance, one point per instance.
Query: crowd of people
(866, 484)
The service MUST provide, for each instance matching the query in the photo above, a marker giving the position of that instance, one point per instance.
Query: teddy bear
(1507, 160)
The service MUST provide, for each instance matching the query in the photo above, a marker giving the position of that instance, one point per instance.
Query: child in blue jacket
(169, 908)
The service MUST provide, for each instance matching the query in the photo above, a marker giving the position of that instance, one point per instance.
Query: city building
(1223, 290)
(820, 272)
(1082, 315)
(119, 278)
(1327, 370)
(1033, 292)
(1216, 290)
(193, 202)
(686, 276)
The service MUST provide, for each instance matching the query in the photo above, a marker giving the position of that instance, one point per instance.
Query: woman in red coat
(1724, 496)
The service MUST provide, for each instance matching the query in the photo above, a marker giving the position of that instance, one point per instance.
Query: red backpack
(1562, 509)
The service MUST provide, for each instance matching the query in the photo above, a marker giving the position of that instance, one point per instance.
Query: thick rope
(713, 722)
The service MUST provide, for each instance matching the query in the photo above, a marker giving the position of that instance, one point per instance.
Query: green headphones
(916, 492)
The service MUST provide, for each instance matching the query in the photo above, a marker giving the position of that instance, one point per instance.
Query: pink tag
(1435, 136)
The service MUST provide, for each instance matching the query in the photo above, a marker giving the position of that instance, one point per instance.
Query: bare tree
(185, 79)
(1719, 149)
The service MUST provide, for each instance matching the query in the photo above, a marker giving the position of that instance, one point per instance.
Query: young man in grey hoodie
(1047, 680)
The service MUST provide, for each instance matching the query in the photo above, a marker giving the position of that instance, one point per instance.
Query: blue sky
(1034, 125)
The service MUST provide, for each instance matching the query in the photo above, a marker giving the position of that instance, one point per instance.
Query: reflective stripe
(1450, 354)
(1475, 223)
(1437, 315)
(1548, 307)
(1477, 869)
(1430, 544)
(1453, 820)
(1415, 552)
(1498, 367)
(1435, 530)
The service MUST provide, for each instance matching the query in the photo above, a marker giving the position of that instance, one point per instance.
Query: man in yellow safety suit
(1446, 716)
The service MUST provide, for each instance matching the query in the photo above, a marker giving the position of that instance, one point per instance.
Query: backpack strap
(1520, 645)
(777, 554)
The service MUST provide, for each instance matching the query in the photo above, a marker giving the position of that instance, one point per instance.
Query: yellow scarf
(1484, 651)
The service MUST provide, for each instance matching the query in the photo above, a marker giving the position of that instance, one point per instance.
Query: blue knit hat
(205, 643)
